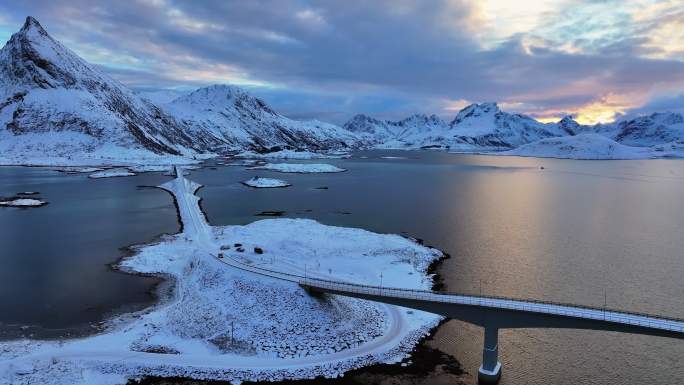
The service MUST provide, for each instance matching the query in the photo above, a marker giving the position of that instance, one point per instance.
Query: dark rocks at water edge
(270, 214)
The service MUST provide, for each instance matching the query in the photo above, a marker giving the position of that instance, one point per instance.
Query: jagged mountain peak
(220, 96)
(569, 125)
(362, 123)
(241, 120)
(363, 117)
(54, 102)
(33, 59)
(421, 118)
(476, 110)
(657, 128)
(32, 24)
(668, 118)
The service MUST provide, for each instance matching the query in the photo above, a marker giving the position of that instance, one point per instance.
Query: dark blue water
(55, 275)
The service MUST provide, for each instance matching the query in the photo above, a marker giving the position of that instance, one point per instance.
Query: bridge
(489, 312)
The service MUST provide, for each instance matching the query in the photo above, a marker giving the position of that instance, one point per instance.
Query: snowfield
(301, 168)
(583, 146)
(258, 182)
(22, 202)
(226, 323)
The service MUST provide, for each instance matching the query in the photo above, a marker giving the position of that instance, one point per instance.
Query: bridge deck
(490, 302)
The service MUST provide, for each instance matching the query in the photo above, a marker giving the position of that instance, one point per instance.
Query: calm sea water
(569, 232)
(54, 273)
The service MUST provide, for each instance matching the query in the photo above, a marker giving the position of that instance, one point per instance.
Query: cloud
(671, 103)
(388, 58)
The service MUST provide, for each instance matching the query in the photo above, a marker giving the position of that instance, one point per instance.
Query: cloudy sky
(596, 60)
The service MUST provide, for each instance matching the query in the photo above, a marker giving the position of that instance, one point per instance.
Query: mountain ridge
(56, 107)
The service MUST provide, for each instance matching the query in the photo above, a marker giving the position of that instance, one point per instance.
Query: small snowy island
(258, 182)
(300, 168)
(111, 173)
(22, 202)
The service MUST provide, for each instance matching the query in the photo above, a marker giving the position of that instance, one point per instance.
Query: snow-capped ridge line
(485, 128)
(55, 107)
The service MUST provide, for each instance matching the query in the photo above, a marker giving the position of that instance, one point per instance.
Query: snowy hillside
(55, 107)
(416, 131)
(583, 146)
(233, 116)
(654, 129)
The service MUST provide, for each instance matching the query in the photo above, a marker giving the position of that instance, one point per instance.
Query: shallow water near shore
(567, 232)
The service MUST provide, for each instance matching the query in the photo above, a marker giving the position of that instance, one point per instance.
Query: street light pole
(381, 283)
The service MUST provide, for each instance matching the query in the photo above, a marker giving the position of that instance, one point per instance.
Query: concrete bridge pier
(490, 370)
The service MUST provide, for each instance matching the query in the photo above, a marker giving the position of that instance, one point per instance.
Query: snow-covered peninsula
(226, 323)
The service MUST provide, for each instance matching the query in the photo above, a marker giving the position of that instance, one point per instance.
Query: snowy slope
(242, 121)
(53, 104)
(583, 146)
(654, 129)
(413, 132)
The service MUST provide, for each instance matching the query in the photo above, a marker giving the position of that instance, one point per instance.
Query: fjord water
(569, 232)
(54, 275)
(584, 232)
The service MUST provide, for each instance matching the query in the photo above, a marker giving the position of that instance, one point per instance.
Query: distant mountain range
(55, 108)
(485, 128)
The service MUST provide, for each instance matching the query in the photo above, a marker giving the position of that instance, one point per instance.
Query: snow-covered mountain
(55, 108)
(655, 129)
(54, 105)
(415, 130)
(485, 126)
(241, 121)
(478, 127)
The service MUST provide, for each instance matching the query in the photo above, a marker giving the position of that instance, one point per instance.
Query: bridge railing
(561, 308)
